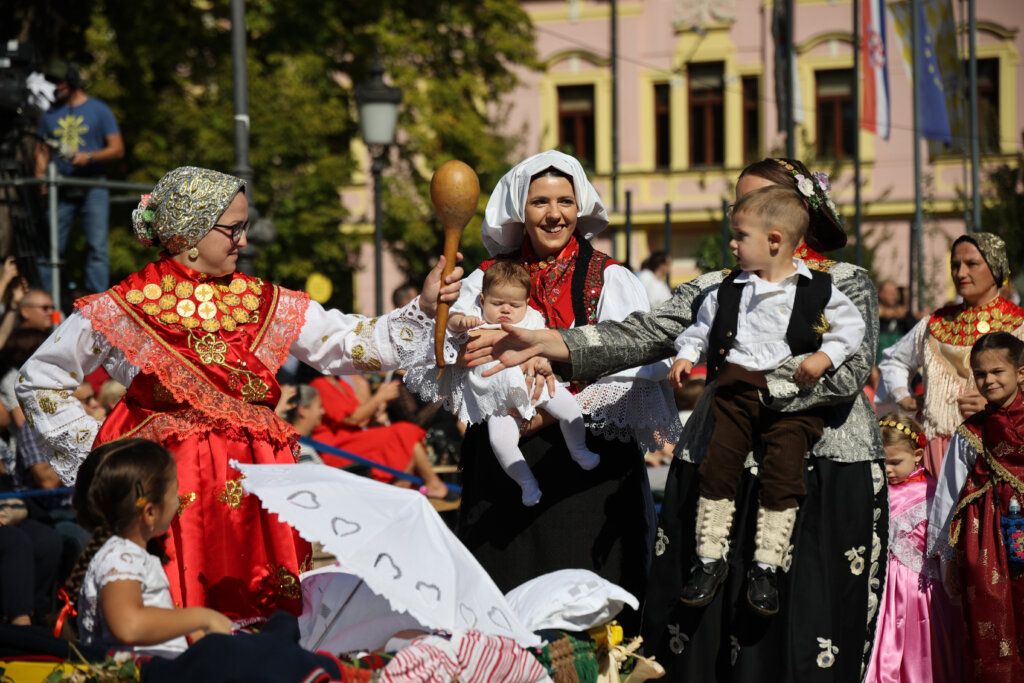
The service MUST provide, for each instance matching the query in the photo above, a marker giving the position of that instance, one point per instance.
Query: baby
(503, 299)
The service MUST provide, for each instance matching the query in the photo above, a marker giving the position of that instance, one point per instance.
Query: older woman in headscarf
(830, 586)
(543, 214)
(198, 344)
(939, 346)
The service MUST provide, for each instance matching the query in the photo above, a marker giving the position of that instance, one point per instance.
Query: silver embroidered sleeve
(642, 338)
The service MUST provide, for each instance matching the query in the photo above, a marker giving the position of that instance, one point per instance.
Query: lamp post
(378, 112)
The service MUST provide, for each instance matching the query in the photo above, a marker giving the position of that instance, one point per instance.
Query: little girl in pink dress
(913, 639)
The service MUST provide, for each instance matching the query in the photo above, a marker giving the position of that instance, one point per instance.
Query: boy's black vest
(806, 322)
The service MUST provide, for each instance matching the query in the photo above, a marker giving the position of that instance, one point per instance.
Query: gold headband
(917, 437)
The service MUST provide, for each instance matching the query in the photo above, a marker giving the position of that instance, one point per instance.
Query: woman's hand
(971, 403)
(434, 289)
(538, 375)
(288, 397)
(514, 346)
(387, 391)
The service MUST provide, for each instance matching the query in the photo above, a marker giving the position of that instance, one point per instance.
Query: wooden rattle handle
(455, 193)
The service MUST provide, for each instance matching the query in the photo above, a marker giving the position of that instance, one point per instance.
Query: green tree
(165, 70)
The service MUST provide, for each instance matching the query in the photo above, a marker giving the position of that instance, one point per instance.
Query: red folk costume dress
(389, 445)
(986, 456)
(198, 355)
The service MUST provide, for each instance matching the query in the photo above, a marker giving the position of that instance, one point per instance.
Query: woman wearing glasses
(197, 344)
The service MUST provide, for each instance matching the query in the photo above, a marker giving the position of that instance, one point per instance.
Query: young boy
(771, 309)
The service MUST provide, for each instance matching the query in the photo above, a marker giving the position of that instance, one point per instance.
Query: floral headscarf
(183, 207)
(993, 250)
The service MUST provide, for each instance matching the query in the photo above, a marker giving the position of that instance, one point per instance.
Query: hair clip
(815, 190)
(140, 502)
(917, 437)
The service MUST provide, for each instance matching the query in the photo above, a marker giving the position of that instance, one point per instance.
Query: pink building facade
(696, 103)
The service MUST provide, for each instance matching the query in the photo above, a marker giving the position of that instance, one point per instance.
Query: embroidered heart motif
(429, 591)
(342, 527)
(304, 499)
(394, 567)
(468, 616)
(499, 619)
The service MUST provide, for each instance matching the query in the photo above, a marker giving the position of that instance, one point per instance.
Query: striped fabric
(468, 656)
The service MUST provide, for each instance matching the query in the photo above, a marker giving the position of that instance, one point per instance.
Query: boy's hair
(114, 483)
(898, 428)
(689, 394)
(1000, 341)
(506, 272)
(777, 208)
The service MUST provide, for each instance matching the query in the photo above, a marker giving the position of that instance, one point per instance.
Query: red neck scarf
(551, 277)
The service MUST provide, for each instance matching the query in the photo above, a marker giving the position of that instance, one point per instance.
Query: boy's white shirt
(764, 312)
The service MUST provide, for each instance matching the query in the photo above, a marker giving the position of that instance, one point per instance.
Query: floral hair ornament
(815, 190)
(917, 437)
(140, 500)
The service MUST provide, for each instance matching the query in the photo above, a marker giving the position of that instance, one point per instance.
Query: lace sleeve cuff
(641, 410)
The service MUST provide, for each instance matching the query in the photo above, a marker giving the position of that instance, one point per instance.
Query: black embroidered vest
(806, 322)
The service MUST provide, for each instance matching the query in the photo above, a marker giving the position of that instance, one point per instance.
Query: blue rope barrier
(398, 474)
(36, 493)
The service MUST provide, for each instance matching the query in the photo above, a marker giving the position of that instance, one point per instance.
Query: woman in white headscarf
(543, 214)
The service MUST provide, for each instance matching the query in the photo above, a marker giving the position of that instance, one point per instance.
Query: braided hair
(114, 484)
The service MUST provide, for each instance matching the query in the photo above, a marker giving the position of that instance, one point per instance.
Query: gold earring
(193, 253)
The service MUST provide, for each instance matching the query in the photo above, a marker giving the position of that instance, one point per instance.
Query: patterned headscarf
(504, 218)
(993, 250)
(183, 207)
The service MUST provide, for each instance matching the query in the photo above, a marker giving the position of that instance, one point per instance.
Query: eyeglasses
(237, 230)
(45, 307)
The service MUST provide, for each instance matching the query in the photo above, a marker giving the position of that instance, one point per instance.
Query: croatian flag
(875, 114)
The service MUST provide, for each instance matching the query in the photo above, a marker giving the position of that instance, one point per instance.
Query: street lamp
(378, 112)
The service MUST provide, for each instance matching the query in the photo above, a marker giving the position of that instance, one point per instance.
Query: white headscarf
(504, 218)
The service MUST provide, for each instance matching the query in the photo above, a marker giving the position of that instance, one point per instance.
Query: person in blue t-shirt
(86, 136)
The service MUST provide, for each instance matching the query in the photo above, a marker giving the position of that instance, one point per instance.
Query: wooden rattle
(454, 192)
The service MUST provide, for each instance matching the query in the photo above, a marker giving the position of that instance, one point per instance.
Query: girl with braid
(126, 495)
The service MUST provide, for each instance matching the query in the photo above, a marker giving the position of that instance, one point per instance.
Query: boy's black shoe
(703, 582)
(763, 590)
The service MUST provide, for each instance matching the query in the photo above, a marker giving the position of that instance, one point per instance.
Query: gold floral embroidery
(166, 283)
(210, 350)
(47, 405)
(167, 302)
(405, 334)
(185, 500)
(250, 302)
(206, 310)
(255, 287)
(169, 317)
(186, 308)
(237, 286)
(232, 494)
(134, 296)
(228, 324)
(288, 583)
(190, 323)
(241, 315)
(232, 299)
(150, 308)
(83, 436)
(212, 325)
(152, 291)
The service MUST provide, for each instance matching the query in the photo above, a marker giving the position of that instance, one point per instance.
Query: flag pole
(790, 122)
(856, 129)
(917, 258)
(973, 76)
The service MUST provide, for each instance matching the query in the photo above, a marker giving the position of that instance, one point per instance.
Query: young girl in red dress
(983, 473)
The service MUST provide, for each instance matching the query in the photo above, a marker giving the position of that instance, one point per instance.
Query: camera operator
(87, 136)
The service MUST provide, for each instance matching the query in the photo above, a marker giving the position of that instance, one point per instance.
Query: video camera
(16, 109)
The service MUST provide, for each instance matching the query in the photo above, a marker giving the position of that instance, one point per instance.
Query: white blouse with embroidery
(331, 341)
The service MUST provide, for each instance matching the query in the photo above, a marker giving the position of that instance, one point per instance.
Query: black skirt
(598, 520)
(829, 596)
